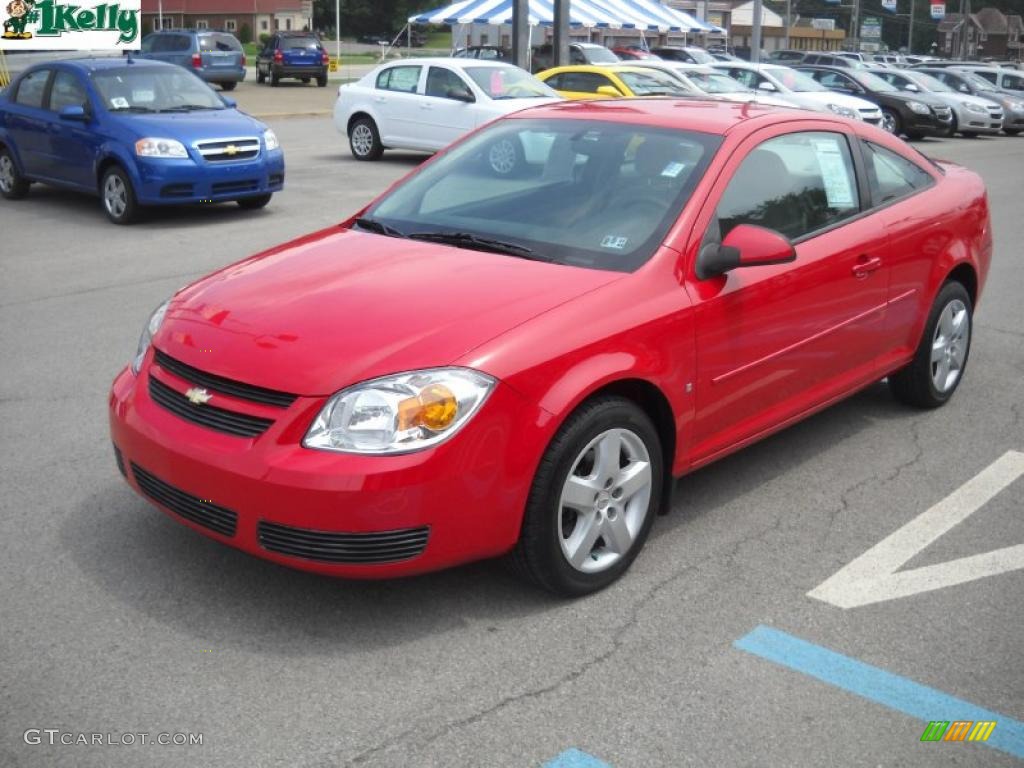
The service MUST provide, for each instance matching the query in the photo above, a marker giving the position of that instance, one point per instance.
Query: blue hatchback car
(135, 132)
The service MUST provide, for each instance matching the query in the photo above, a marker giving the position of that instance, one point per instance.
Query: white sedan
(426, 104)
(704, 80)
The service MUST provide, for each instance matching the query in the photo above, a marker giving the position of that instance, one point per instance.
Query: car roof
(101, 63)
(979, 68)
(711, 116)
(601, 69)
(450, 61)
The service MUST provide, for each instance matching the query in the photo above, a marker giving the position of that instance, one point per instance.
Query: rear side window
(31, 88)
(795, 184)
(67, 91)
(990, 76)
(891, 176)
(218, 42)
(402, 79)
(1013, 82)
(171, 43)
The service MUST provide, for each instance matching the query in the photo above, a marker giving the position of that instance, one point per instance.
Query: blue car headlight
(152, 147)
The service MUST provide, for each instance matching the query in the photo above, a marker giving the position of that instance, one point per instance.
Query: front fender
(112, 150)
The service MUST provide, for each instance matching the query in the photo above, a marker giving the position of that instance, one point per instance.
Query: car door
(26, 122)
(776, 342)
(72, 143)
(446, 118)
(396, 101)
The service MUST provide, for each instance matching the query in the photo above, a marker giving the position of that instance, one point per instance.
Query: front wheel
(229, 86)
(938, 365)
(254, 203)
(1010, 132)
(13, 185)
(118, 196)
(593, 499)
(890, 122)
(364, 140)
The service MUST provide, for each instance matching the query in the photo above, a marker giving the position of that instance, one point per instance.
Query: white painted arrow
(874, 577)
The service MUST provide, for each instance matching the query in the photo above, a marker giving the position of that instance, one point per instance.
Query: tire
(969, 134)
(918, 136)
(230, 86)
(364, 140)
(1011, 132)
(254, 203)
(891, 122)
(275, 79)
(117, 195)
(305, 81)
(321, 81)
(13, 186)
(505, 157)
(947, 335)
(261, 76)
(570, 550)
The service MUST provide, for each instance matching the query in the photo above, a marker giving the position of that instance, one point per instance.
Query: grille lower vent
(199, 511)
(210, 416)
(334, 547)
(220, 384)
(120, 461)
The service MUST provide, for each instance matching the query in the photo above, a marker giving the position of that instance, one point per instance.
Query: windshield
(578, 192)
(652, 83)
(714, 82)
(305, 43)
(135, 88)
(599, 55)
(872, 82)
(977, 81)
(509, 83)
(700, 56)
(795, 81)
(929, 83)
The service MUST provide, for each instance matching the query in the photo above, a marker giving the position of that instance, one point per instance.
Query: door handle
(380, 99)
(865, 266)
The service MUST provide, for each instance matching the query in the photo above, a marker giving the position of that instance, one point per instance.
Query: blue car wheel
(13, 185)
(118, 196)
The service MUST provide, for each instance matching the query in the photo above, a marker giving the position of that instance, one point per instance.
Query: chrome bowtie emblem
(198, 396)
(231, 150)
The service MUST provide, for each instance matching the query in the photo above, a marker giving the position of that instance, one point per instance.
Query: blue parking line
(574, 758)
(879, 686)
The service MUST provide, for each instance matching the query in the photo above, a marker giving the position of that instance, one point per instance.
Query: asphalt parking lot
(710, 652)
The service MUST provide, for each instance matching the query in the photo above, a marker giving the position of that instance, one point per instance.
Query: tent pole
(521, 33)
(560, 45)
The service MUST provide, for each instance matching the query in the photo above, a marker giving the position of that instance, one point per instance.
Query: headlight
(155, 321)
(160, 148)
(1016, 106)
(844, 111)
(976, 108)
(270, 140)
(918, 107)
(401, 413)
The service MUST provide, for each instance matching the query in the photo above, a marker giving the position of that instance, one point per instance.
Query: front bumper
(932, 124)
(979, 122)
(321, 511)
(172, 182)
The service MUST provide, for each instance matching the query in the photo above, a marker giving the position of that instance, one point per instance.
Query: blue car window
(67, 91)
(32, 88)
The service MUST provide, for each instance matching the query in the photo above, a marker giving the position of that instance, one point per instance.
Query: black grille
(227, 150)
(223, 187)
(120, 460)
(199, 511)
(176, 190)
(333, 547)
(276, 179)
(226, 386)
(231, 422)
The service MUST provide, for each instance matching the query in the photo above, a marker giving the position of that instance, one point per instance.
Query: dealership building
(259, 16)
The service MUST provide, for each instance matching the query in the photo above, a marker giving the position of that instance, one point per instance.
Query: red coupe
(483, 364)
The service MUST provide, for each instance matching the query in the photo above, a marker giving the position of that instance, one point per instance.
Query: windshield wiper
(372, 225)
(188, 107)
(468, 240)
(132, 109)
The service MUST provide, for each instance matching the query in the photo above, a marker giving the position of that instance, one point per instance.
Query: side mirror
(745, 246)
(228, 101)
(764, 85)
(911, 87)
(460, 94)
(74, 112)
(608, 90)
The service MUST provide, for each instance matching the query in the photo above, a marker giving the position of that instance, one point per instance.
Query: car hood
(343, 306)
(757, 98)
(824, 98)
(187, 127)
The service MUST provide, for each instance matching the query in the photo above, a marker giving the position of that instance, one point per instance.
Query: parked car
(485, 52)
(801, 90)
(967, 82)
(784, 56)
(298, 55)
(971, 115)
(216, 57)
(426, 104)
(720, 56)
(1003, 78)
(633, 53)
(853, 56)
(611, 81)
(830, 60)
(475, 365)
(708, 82)
(689, 54)
(914, 115)
(136, 133)
(579, 53)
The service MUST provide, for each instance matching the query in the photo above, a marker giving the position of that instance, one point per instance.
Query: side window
(585, 82)
(557, 81)
(990, 76)
(745, 76)
(440, 81)
(1013, 82)
(794, 184)
(32, 87)
(836, 81)
(403, 79)
(891, 176)
(67, 91)
(576, 56)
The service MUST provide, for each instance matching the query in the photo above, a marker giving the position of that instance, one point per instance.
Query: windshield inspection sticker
(838, 190)
(142, 97)
(672, 170)
(617, 243)
(119, 102)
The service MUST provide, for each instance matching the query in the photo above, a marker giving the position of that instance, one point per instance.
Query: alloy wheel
(115, 196)
(949, 345)
(888, 122)
(362, 139)
(604, 501)
(502, 157)
(6, 173)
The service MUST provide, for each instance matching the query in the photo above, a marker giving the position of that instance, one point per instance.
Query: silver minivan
(217, 57)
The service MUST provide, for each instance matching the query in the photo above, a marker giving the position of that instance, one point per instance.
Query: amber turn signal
(434, 408)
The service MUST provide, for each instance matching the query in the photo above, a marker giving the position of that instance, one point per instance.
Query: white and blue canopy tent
(644, 16)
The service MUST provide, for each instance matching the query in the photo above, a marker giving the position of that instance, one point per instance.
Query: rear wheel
(13, 185)
(118, 196)
(261, 76)
(938, 365)
(593, 499)
(275, 79)
(321, 81)
(230, 86)
(1011, 132)
(890, 122)
(305, 81)
(364, 140)
(254, 203)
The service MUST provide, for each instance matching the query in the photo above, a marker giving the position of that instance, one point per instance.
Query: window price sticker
(838, 187)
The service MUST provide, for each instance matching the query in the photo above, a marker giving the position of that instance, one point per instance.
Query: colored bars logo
(958, 730)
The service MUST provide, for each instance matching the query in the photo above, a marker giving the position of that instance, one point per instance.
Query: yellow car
(611, 81)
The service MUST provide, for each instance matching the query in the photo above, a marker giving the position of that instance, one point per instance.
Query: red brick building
(259, 16)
